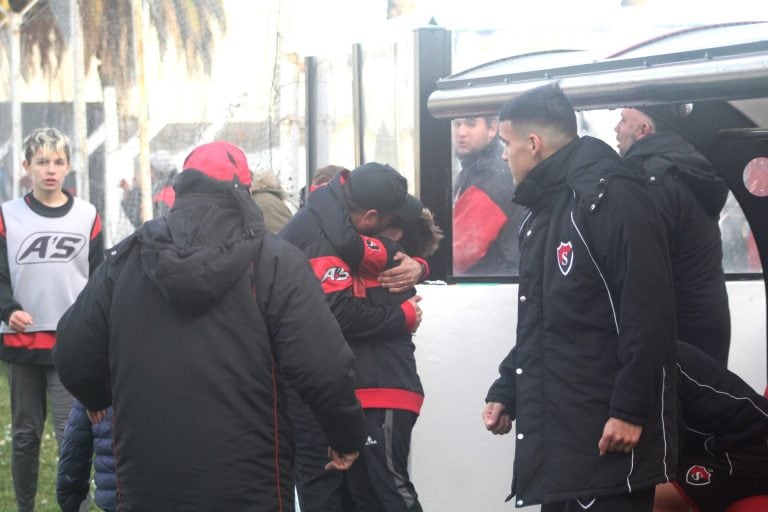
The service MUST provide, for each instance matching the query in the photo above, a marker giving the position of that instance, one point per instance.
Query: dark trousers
(378, 480)
(640, 501)
(318, 490)
(29, 386)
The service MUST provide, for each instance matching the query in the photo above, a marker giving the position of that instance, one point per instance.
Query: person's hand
(496, 419)
(20, 320)
(96, 416)
(341, 461)
(402, 277)
(619, 436)
(417, 309)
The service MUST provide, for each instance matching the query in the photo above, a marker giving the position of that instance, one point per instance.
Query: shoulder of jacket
(122, 249)
(593, 185)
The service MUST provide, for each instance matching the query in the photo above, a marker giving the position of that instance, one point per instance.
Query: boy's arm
(96, 245)
(7, 303)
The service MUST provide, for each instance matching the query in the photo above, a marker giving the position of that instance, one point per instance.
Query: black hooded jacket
(688, 195)
(595, 331)
(190, 329)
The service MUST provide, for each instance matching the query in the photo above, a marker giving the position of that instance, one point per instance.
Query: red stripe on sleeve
(333, 273)
(374, 258)
(2, 225)
(477, 221)
(424, 274)
(96, 229)
(410, 316)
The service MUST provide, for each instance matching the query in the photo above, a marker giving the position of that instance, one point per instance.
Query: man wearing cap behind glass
(327, 230)
(190, 329)
(688, 194)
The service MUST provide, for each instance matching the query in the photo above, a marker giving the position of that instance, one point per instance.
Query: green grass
(46, 486)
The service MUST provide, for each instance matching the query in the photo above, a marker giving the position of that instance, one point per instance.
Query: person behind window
(688, 196)
(485, 220)
(590, 381)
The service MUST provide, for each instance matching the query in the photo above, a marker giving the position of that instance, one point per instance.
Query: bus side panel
(467, 330)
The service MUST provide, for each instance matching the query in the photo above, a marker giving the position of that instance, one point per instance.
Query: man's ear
(646, 129)
(493, 127)
(534, 144)
(369, 219)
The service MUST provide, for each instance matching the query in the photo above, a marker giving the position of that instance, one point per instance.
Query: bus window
(739, 249)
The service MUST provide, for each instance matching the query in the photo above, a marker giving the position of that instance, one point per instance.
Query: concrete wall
(456, 464)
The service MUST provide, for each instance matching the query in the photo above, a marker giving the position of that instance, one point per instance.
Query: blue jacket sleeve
(73, 479)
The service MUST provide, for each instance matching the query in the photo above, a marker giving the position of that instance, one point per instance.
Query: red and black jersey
(323, 232)
(385, 369)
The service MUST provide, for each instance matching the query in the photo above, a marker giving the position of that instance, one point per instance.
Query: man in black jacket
(591, 380)
(688, 196)
(485, 220)
(190, 329)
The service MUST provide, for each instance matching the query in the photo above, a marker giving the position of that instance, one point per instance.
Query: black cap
(659, 114)
(375, 186)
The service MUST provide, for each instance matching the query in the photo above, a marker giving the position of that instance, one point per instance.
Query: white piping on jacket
(722, 392)
(616, 324)
(605, 283)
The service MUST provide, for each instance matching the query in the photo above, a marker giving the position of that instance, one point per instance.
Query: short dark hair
(542, 106)
(325, 174)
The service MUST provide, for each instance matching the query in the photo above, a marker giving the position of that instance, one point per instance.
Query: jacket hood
(277, 192)
(668, 151)
(327, 204)
(198, 251)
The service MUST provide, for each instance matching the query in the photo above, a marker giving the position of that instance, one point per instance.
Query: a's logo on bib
(565, 257)
(50, 247)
